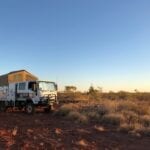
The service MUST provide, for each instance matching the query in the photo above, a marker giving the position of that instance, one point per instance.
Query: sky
(104, 43)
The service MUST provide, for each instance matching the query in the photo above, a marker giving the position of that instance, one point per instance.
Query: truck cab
(31, 94)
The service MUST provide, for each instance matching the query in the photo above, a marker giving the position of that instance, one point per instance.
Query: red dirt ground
(45, 131)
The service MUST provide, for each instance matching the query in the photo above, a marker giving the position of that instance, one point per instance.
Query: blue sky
(78, 42)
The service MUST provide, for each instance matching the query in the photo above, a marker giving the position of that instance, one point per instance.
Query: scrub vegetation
(127, 112)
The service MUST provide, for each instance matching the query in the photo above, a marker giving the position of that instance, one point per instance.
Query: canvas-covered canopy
(16, 76)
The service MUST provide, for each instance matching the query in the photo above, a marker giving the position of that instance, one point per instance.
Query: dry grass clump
(130, 128)
(110, 106)
(130, 116)
(71, 111)
(145, 120)
(77, 117)
(127, 105)
(133, 106)
(113, 119)
(93, 108)
(65, 109)
(94, 116)
(136, 128)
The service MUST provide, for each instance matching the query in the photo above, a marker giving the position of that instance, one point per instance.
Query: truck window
(47, 86)
(22, 86)
(32, 86)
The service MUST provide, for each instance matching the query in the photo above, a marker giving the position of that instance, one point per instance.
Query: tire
(2, 107)
(30, 108)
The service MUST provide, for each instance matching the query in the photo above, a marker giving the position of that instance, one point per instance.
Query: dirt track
(44, 131)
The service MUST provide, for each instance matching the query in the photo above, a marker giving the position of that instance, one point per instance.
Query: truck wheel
(2, 107)
(29, 108)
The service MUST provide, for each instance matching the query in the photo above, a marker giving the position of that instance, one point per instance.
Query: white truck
(28, 95)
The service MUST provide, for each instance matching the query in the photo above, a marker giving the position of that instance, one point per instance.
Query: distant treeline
(126, 95)
(95, 95)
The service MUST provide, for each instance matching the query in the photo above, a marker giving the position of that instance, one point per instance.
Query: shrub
(131, 128)
(77, 117)
(109, 106)
(145, 120)
(125, 127)
(65, 109)
(113, 119)
(130, 117)
(94, 116)
(127, 105)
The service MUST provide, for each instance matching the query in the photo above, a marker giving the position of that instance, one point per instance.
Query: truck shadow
(22, 111)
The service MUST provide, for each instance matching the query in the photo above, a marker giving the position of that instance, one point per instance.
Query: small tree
(93, 93)
(91, 90)
(70, 88)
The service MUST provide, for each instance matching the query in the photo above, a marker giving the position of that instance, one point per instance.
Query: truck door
(16, 94)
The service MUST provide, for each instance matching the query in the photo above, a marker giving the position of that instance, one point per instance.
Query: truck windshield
(47, 86)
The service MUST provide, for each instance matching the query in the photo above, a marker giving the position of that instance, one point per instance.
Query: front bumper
(47, 101)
